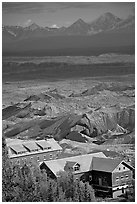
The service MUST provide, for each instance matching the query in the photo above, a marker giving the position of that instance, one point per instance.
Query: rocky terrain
(83, 115)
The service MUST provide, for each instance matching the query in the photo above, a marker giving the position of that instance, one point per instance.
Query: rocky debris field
(87, 111)
(84, 114)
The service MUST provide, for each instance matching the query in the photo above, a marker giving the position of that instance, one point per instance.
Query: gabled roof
(70, 164)
(83, 160)
(54, 167)
(128, 165)
(105, 164)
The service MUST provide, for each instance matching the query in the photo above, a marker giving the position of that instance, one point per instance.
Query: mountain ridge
(105, 22)
(108, 33)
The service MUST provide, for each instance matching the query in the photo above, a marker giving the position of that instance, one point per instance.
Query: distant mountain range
(106, 31)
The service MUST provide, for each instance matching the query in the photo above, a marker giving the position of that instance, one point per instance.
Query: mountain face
(107, 29)
(33, 26)
(78, 28)
(126, 23)
(105, 22)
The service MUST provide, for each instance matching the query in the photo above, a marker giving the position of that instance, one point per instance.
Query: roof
(128, 165)
(18, 148)
(31, 146)
(54, 144)
(28, 147)
(55, 167)
(70, 163)
(105, 164)
(43, 144)
(84, 160)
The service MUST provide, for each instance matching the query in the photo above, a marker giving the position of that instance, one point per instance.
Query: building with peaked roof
(84, 161)
(109, 177)
(32, 151)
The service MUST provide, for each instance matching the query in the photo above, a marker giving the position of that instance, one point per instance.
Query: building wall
(101, 178)
(35, 158)
(102, 183)
(121, 168)
(121, 178)
(117, 193)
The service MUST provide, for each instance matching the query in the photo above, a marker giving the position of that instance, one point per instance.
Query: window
(122, 190)
(57, 155)
(100, 181)
(117, 178)
(122, 177)
(50, 156)
(44, 157)
(31, 159)
(18, 162)
(76, 168)
(119, 168)
(90, 178)
(126, 176)
(124, 167)
(37, 158)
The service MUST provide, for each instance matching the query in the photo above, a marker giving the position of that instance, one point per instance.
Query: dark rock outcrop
(112, 119)
(104, 122)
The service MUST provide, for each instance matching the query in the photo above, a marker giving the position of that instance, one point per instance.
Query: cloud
(68, 22)
(133, 10)
(93, 5)
(41, 7)
(28, 22)
(51, 7)
(22, 7)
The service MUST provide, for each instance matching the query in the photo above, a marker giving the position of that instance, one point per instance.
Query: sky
(57, 14)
